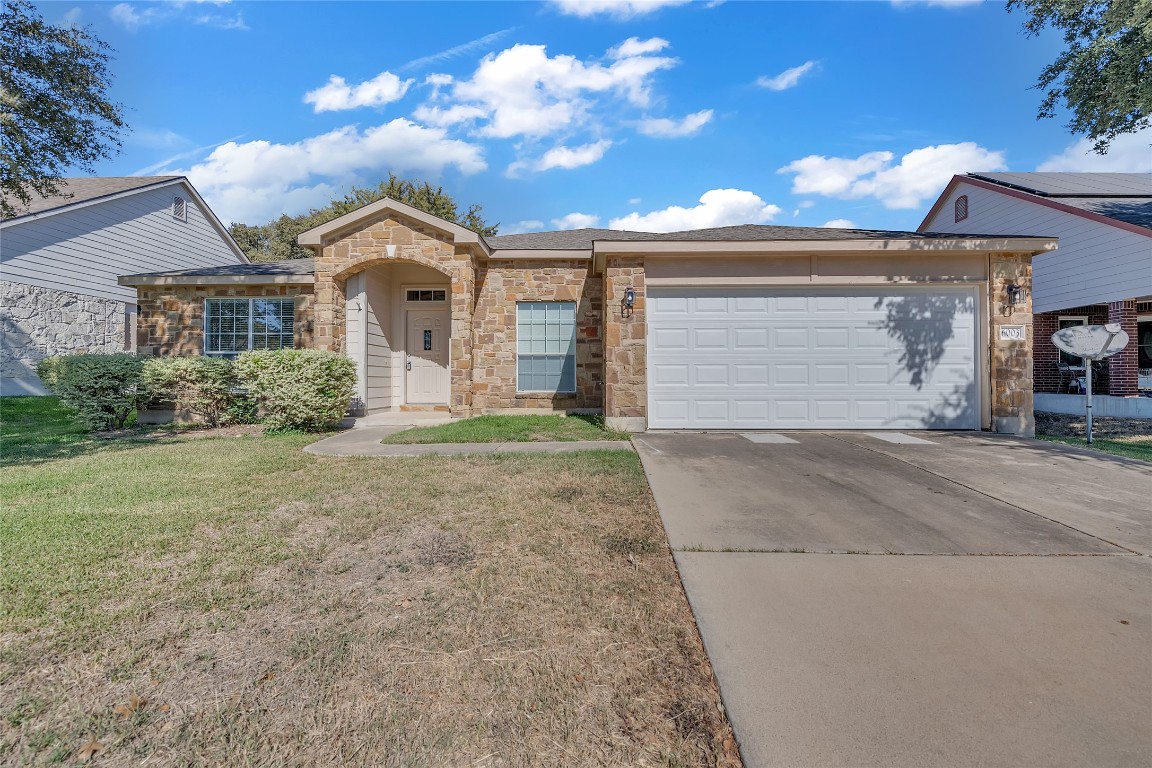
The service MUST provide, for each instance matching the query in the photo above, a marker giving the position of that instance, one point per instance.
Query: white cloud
(717, 208)
(336, 94)
(634, 46)
(520, 227)
(576, 221)
(665, 128)
(456, 50)
(132, 19)
(74, 17)
(789, 78)
(839, 224)
(616, 9)
(1130, 153)
(522, 91)
(920, 174)
(256, 180)
(572, 157)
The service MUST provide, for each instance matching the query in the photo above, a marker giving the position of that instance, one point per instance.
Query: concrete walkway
(365, 441)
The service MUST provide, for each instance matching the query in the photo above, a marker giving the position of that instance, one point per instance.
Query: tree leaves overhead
(1105, 75)
(276, 240)
(54, 107)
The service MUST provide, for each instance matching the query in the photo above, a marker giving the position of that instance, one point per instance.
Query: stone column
(1122, 367)
(1011, 360)
(625, 354)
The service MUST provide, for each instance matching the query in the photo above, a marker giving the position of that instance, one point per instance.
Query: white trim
(251, 322)
(316, 235)
(958, 244)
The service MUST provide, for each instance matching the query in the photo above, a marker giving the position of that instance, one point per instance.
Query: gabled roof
(86, 189)
(81, 191)
(316, 235)
(1122, 200)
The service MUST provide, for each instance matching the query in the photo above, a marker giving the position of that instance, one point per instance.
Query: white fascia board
(216, 280)
(540, 253)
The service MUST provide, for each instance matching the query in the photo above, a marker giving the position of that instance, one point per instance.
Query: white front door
(426, 381)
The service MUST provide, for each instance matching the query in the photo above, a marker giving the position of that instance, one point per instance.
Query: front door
(426, 381)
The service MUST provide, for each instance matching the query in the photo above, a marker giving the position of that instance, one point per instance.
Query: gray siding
(83, 251)
(1095, 262)
(378, 292)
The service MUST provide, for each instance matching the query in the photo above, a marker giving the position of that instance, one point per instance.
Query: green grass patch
(511, 429)
(33, 428)
(1130, 448)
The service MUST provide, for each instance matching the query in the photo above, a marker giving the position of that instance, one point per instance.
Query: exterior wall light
(628, 302)
(1014, 296)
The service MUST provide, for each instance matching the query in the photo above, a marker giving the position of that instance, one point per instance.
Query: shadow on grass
(34, 430)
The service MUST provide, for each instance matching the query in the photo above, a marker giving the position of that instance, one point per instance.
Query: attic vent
(961, 208)
(179, 209)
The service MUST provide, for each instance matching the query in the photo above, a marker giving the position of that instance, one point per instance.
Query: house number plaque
(1012, 333)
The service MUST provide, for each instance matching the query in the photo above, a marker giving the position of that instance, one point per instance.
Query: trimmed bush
(204, 386)
(304, 389)
(102, 390)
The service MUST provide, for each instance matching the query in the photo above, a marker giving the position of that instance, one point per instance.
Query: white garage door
(778, 358)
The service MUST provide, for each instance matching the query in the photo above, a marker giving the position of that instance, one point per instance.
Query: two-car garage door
(836, 358)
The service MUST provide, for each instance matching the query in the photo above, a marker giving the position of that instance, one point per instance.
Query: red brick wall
(1046, 355)
(1122, 374)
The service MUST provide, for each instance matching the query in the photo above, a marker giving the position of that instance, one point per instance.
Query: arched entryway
(398, 332)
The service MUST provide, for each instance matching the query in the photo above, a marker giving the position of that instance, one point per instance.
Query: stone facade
(1010, 371)
(170, 320)
(499, 285)
(385, 239)
(36, 323)
(625, 350)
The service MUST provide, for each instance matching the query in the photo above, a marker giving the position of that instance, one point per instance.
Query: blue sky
(658, 115)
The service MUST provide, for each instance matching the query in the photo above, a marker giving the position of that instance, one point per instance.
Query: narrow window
(546, 346)
(425, 295)
(1068, 322)
(961, 208)
(179, 209)
(232, 326)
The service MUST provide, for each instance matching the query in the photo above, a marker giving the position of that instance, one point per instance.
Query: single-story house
(743, 327)
(1101, 273)
(60, 257)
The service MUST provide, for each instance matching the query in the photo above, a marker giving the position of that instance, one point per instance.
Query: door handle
(409, 362)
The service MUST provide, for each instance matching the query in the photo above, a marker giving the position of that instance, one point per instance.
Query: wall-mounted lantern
(1014, 296)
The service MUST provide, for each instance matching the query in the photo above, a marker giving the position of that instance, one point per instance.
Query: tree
(1105, 75)
(276, 240)
(54, 107)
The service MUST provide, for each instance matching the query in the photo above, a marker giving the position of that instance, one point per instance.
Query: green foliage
(1105, 75)
(102, 390)
(54, 109)
(306, 389)
(276, 240)
(205, 386)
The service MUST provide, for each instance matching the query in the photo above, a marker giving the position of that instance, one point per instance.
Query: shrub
(102, 390)
(299, 388)
(204, 386)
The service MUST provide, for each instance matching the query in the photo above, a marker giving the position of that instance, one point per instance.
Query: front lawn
(1131, 438)
(236, 601)
(511, 429)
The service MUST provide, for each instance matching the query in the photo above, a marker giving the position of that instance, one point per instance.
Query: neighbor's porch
(1127, 374)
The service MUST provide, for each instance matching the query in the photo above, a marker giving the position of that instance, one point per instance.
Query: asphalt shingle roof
(83, 189)
(582, 239)
(1075, 184)
(271, 268)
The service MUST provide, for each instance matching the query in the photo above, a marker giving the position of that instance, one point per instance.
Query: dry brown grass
(495, 610)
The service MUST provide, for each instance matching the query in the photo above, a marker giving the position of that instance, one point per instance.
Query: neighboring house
(745, 327)
(61, 256)
(1102, 272)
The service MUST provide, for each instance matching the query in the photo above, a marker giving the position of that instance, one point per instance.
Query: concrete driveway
(955, 599)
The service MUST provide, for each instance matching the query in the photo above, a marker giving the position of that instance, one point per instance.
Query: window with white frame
(232, 326)
(1063, 322)
(546, 346)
